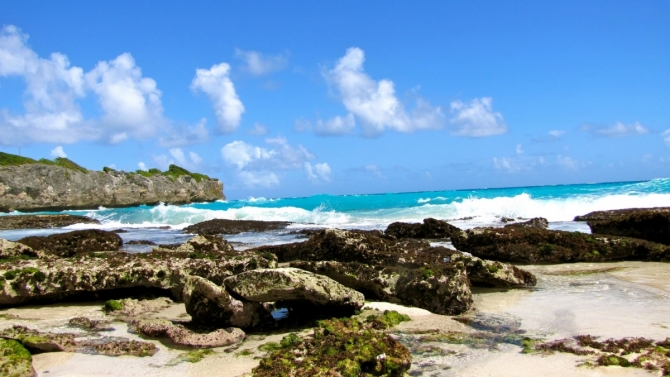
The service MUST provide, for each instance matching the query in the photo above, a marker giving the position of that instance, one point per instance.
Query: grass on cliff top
(8, 159)
(175, 171)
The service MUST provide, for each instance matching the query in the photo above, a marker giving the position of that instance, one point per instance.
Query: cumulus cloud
(254, 163)
(258, 130)
(178, 137)
(335, 126)
(477, 119)
(58, 152)
(318, 173)
(375, 102)
(142, 166)
(190, 161)
(260, 64)
(131, 103)
(216, 83)
(556, 133)
(617, 129)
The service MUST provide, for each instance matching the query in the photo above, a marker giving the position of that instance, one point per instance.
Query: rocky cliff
(37, 187)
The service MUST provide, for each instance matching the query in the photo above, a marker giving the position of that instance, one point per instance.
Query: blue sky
(292, 98)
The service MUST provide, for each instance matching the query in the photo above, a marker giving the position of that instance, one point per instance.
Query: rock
(531, 245)
(292, 284)
(98, 274)
(343, 347)
(223, 226)
(651, 224)
(536, 222)
(16, 360)
(9, 249)
(116, 347)
(203, 244)
(130, 307)
(43, 221)
(78, 241)
(138, 242)
(430, 228)
(41, 187)
(441, 290)
(179, 334)
(88, 324)
(486, 273)
(211, 305)
(38, 341)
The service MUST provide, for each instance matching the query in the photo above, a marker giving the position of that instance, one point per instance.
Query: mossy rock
(15, 360)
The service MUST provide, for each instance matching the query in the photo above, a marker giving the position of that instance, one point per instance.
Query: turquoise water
(483, 206)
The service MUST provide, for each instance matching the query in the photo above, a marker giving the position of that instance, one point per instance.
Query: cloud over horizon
(617, 129)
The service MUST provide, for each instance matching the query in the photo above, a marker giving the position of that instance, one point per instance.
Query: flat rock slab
(159, 328)
(651, 224)
(292, 284)
(223, 226)
(43, 221)
(78, 241)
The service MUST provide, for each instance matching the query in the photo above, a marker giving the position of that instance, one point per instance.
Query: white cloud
(258, 178)
(216, 83)
(519, 150)
(260, 64)
(258, 130)
(142, 166)
(556, 133)
(190, 162)
(666, 137)
(188, 135)
(617, 129)
(569, 163)
(375, 102)
(477, 119)
(318, 173)
(335, 126)
(58, 152)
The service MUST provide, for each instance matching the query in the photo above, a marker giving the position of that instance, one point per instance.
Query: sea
(164, 223)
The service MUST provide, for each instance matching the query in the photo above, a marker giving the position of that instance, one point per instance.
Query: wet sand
(617, 300)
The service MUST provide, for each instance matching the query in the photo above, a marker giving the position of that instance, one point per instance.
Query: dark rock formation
(531, 245)
(9, 249)
(487, 273)
(223, 226)
(75, 242)
(180, 334)
(37, 187)
(345, 347)
(439, 290)
(536, 222)
(211, 305)
(202, 245)
(651, 224)
(43, 221)
(430, 228)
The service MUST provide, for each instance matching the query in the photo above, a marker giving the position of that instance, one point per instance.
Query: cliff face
(36, 187)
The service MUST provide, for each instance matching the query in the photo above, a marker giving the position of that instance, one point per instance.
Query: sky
(293, 98)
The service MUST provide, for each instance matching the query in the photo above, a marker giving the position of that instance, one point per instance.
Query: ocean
(463, 208)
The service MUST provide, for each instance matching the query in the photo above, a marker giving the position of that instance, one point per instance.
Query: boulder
(210, 304)
(536, 222)
(16, 360)
(532, 245)
(224, 226)
(98, 274)
(651, 224)
(431, 228)
(71, 243)
(9, 249)
(292, 284)
(439, 289)
(202, 244)
(43, 221)
(179, 334)
(39, 341)
(486, 273)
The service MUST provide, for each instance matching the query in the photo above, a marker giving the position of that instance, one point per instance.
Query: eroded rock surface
(179, 334)
(75, 242)
(43, 221)
(430, 228)
(202, 244)
(9, 249)
(536, 222)
(224, 226)
(16, 360)
(651, 224)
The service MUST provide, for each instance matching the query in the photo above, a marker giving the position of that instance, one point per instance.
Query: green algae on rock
(345, 347)
(15, 360)
(43, 221)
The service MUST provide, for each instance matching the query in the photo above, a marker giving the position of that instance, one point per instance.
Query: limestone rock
(16, 360)
(536, 222)
(38, 341)
(43, 221)
(224, 226)
(431, 228)
(203, 244)
(178, 333)
(9, 249)
(438, 289)
(292, 284)
(486, 273)
(651, 224)
(210, 304)
(78, 241)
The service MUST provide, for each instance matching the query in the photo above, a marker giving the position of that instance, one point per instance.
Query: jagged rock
(536, 222)
(116, 347)
(202, 244)
(159, 328)
(9, 249)
(431, 228)
(16, 360)
(224, 226)
(43, 221)
(292, 284)
(40, 280)
(441, 290)
(39, 341)
(651, 224)
(78, 241)
(33, 187)
(486, 273)
(88, 324)
(530, 245)
(210, 304)
(131, 307)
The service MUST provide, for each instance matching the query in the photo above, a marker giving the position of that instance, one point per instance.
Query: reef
(651, 224)
(43, 221)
